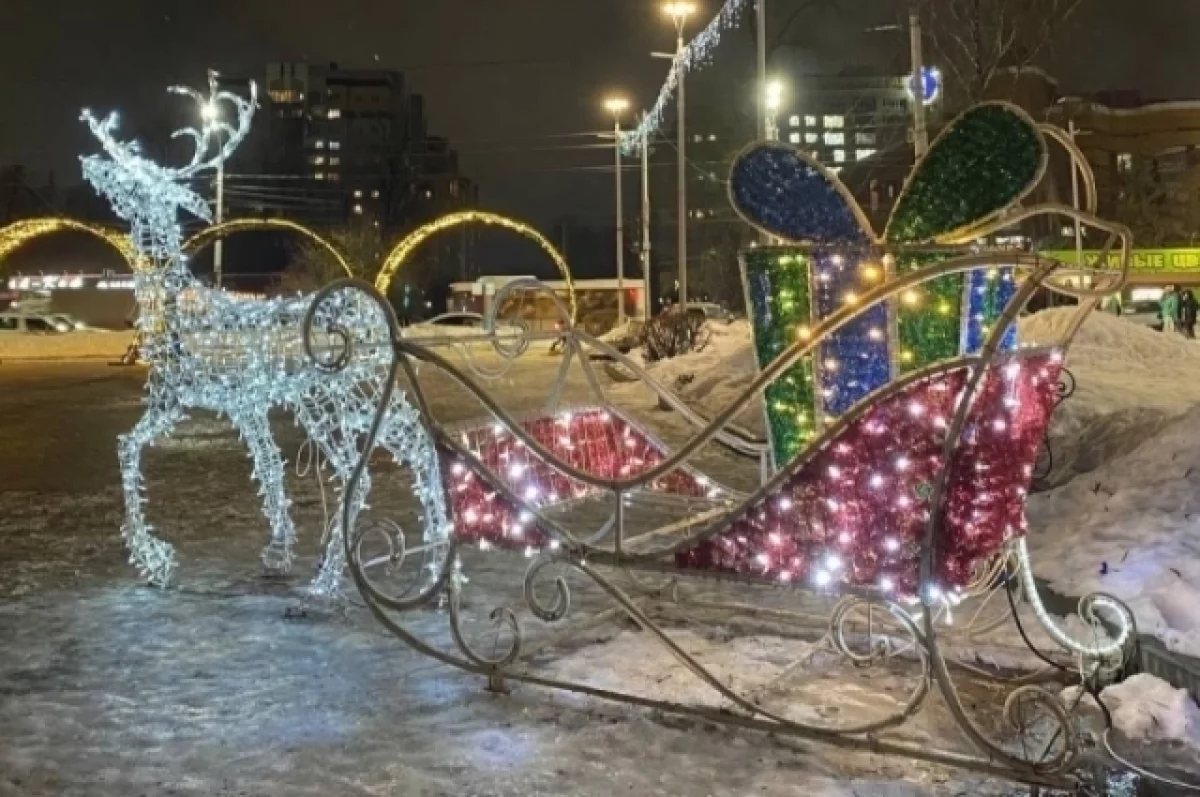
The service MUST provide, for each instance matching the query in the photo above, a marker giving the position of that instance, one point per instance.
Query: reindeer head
(150, 196)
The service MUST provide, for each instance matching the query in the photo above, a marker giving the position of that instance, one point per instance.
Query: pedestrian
(1187, 312)
(1169, 307)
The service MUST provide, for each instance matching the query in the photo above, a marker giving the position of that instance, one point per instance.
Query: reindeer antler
(150, 196)
(214, 126)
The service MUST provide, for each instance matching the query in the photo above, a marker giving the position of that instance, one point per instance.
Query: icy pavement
(231, 684)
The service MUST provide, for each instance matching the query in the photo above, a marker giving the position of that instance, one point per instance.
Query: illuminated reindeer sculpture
(242, 359)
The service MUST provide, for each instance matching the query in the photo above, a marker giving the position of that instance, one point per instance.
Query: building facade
(357, 144)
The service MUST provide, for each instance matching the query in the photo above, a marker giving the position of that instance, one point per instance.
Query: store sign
(1164, 260)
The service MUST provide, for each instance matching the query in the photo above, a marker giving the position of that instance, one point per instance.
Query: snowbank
(712, 379)
(1145, 708)
(1132, 528)
(67, 346)
(1130, 383)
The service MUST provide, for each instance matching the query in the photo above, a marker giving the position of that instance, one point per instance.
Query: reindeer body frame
(209, 351)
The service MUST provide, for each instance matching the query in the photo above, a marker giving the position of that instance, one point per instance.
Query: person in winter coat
(1169, 306)
(1187, 312)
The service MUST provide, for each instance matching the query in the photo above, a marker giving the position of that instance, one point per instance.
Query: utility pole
(761, 8)
(1074, 131)
(645, 222)
(920, 131)
(620, 223)
(681, 146)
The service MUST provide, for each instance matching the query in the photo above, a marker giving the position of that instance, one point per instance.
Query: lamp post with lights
(616, 106)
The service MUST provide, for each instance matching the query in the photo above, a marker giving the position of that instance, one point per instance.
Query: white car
(1144, 312)
(512, 334)
(27, 323)
(711, 311)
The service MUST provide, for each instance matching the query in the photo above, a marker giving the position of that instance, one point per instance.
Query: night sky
(502, 78)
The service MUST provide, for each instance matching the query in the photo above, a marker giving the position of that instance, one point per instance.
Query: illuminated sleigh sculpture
(904, 422)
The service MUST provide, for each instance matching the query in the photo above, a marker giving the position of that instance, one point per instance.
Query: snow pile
(1130, 382)
(1132, 528)
(1149, 709)
(712, 379)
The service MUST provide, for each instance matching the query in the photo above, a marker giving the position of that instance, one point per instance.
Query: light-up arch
(403, 250)
(209, 235)
(19, 233)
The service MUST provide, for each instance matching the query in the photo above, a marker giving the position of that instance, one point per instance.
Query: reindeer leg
(255, 430)
(328, 582)
(155, 558)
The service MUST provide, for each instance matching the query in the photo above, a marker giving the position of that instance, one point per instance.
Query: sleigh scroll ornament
(904, 421)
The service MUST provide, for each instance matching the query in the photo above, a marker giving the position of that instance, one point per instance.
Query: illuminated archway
(209, 235)
(19, 233)
(403, 250)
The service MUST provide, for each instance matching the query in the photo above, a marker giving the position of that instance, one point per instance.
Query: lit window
(428, 193)
(375, 194)
(794, 138)
(318, 175)
(867, 139)
(334, 176)
(835, 139)
(335, 145)
(1125, 162)
(812, 138)
(839, 156)
(358, 210)
(698, 138)
(810, 121)
(318, 160)
(836, 122)
(794, 121)
(859, 154)
(358, 193)
(335, 161)
(319, 144)
(712, 136)
(335, 113)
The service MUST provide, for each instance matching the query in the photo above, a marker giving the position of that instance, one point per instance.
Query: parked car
(711, 311)
(27, 323)
(451, 325)
(1145, 312)
(65, 322)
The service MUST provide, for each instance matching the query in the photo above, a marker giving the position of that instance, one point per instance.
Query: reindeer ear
(784, 193)
(990, 157)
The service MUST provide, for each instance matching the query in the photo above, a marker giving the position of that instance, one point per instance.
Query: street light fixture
(679, 12)
(616, 106)
(773, 100)
(211, 114)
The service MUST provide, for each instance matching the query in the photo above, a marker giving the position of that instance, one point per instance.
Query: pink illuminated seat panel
(596, 441)
(855, 512)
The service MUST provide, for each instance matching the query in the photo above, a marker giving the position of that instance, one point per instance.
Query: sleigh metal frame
(643, 584)
(512, 483)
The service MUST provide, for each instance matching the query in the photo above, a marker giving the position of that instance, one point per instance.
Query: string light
(19, 233)
(696, 54)
(241, 359)
(408, 246)
(879, 532)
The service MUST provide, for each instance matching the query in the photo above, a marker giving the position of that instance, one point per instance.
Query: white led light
(211, 350)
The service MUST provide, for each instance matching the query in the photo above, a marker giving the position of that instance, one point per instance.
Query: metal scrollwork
(562, 593)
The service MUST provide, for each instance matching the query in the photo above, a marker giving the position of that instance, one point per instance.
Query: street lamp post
(616, 106)
(920, 129)
(212, 115)
(679, 12)
(645, 222)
